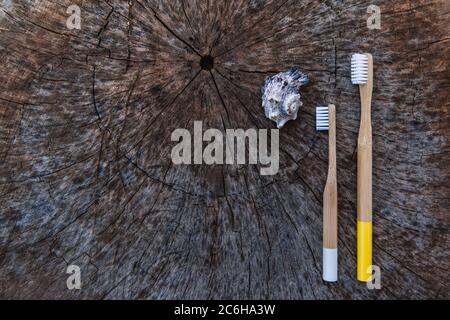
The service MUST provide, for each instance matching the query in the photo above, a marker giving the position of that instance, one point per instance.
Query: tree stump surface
(86, 177)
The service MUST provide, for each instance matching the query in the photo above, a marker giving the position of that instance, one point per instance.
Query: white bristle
(322, 121)
(360, 68)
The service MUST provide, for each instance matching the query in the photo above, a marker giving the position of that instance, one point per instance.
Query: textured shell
(281, 96)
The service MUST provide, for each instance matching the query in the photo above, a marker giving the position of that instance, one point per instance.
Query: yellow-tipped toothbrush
(362, 75)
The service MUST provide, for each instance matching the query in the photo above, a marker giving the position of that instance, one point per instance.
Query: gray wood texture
(86, 176)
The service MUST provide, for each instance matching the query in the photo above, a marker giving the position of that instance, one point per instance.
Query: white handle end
(330, 265)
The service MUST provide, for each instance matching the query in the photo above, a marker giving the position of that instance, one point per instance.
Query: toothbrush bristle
(322, 121)
(360, 68)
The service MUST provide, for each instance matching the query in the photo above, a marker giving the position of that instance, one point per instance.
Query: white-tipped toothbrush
(362, 75)
(326, 121)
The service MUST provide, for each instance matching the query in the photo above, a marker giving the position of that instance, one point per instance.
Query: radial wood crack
(86, 176)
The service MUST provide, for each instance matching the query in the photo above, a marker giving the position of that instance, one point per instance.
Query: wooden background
(86, 176)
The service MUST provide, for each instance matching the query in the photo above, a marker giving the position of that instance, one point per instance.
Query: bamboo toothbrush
(326, 120)
(362, 75)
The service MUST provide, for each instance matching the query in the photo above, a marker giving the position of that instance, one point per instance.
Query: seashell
(281, 96)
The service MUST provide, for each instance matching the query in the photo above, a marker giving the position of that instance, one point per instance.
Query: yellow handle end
(364, 251)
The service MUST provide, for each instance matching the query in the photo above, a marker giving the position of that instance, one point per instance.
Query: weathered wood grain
(86, 176)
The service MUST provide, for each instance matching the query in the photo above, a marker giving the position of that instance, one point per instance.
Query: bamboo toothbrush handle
(364, 251)
(330, 238)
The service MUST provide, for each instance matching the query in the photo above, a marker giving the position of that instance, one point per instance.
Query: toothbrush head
(360, 68)
(322, 118)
